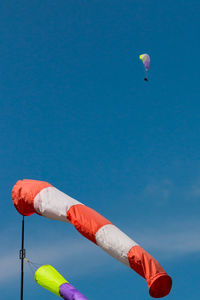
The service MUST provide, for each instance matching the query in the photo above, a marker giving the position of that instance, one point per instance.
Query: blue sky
(76, 112)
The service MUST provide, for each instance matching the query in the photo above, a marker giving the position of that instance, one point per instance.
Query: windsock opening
(49, 278)
(23, 194)
(158, 281)
(160, 286)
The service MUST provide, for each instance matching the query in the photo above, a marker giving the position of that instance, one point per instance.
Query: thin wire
(35, 265)
(30, 267)
(22, 255)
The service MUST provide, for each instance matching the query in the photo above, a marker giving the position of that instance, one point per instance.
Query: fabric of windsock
(31, 196)
(53, 281)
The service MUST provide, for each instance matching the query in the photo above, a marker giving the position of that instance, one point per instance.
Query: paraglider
(49, 278)
(32, 196)
(146, 61)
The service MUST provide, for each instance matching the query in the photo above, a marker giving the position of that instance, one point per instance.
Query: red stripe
(86, 220)
(144, 264)
(23, 194)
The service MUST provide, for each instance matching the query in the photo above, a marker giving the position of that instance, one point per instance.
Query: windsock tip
(160, 285)
(23, 194)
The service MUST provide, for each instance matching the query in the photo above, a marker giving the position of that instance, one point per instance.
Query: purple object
(69, 292)
(147, 62)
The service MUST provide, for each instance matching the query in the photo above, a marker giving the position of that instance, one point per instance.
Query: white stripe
(54, 204)
(115, 242)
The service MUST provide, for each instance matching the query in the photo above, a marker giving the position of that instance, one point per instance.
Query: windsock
(50, 279)
(31, 196)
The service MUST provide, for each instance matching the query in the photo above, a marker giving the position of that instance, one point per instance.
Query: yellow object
(49, 278)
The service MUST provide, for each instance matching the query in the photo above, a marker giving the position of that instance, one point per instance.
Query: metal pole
(22, 254)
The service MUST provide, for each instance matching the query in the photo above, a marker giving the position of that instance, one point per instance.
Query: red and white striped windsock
(32, 196)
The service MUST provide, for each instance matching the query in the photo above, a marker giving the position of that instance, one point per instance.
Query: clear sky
(76, 112)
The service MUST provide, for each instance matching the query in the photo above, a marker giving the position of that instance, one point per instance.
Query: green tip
(49, 278)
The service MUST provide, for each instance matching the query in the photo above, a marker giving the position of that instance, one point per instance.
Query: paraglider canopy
(146, 61)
